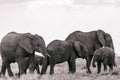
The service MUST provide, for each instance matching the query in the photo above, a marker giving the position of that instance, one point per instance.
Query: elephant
(92, 40)
(106, 56)
(38, 60)
(61, 51)
(16, 47)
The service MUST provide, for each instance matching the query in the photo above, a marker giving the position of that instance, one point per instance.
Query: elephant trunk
(45, 53)
(93, 64)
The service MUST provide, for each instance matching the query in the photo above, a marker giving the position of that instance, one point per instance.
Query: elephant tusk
(39, 54)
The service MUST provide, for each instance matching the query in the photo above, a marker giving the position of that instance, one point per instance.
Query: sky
(56, 19)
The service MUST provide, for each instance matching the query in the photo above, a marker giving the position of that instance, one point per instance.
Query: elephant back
(59, 47)
(10, 40)
(72, 35)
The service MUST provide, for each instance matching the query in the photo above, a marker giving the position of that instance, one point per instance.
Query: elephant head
(80, 49)
(101, 54)
(32, 43)
(106, 56)
(96, 57)
(105, 39)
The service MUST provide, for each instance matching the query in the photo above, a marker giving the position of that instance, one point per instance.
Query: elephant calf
(38, 60)
(61, 51)
(106, 56)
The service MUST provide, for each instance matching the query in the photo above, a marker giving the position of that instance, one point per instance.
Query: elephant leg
(52, 68)
(70, 69)
(22, 71)
(43, 70)
(72, 66)
(3, 69)
(37, 69)
(105, 65)
(88, 63)
(98, 67)
(10, 73)
(19, 72)
(22, 67)
(44, 66)
(52, 64)
(111, 68)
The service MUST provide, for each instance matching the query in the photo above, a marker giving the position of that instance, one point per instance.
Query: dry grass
(61, 73)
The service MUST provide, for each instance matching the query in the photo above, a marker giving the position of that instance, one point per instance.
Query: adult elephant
(62, 51)
(16, 47)
(92, 40)
(106, 56)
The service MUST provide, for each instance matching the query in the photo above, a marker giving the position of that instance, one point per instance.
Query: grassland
(61, 73)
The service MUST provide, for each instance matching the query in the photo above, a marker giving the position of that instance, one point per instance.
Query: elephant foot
(71, 72)
(11, 75)
(94, 66)
(17, 75)
(98, 72)
(39, 73)
(89, 72)
(42, 73)
(51, 73)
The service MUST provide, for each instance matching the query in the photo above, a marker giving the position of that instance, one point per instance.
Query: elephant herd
(24, 48)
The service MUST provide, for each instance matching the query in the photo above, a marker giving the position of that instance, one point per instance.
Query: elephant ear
(101, 38)
(80, 49)
(25, 42)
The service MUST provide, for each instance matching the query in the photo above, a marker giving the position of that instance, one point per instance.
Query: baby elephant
(106, 56)
(35, 65)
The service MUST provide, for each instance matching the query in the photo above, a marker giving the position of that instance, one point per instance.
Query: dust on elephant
(15, 47)
(61, 51)
(92, 40)
(106, 56)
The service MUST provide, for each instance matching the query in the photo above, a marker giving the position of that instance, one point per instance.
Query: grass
(61, 73)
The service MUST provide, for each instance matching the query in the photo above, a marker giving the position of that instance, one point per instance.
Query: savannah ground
(61, 73)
